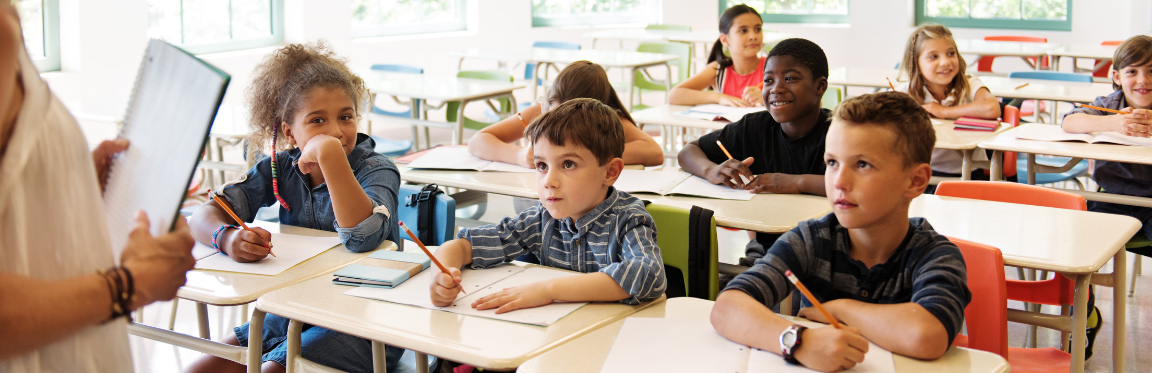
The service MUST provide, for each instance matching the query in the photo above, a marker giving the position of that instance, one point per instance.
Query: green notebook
(383, 269)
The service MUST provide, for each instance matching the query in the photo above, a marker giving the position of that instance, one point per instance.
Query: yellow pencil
(1022, 85)
(890, 83)
(815, 302)
(1100, 108)
(228, 208)
(430, 256)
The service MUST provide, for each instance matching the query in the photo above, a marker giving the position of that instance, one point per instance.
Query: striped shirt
(618, 237)
(1117, 177)
(926, 269)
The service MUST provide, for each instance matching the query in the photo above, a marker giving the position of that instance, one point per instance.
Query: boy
(1132, 80)
(891, 278)
(779, 150)
(582, 223)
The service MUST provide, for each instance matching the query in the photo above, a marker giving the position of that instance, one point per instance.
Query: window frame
(50, 10)
(595, 19)
(996, 23)
(417, 29)
(277, 20)
(799, 18)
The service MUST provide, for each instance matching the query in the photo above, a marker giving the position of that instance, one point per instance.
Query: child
(581, 79)
(937, 71)
(892, 279)
(304, 96)
(783, 146)
(735, 68)
(1132, 80)
(582, 223)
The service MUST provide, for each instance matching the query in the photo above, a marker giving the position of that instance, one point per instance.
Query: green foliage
(998, 9)
(795, 6)
(587, 7)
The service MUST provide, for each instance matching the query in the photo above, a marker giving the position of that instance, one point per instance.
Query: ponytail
(717, 55)
(726, 20)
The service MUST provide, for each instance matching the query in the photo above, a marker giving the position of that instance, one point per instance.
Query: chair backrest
(1102, 72)
(1012, 193)
(984, 64)
(443, 218)
(485, 75)
(986, 317)
(669, 27)
(673, 226)
(1051, 75)
(682, 51)
(832, 97)
(557, 45)
(404, 69)
(1011, 115)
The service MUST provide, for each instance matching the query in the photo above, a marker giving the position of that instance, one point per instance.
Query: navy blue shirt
(1116, 177)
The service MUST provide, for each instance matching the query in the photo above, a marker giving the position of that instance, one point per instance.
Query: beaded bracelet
(122, 288)
(216, 234)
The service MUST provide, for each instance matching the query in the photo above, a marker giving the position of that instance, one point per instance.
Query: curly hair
(805, 52)
(285, 77)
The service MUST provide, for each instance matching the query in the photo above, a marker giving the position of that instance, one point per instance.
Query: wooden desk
(1104, 53)
(420, 88)
(1074, 243)
(999, 86)
(631, 61)
(588, 353)
(477, 341)
(232, 289)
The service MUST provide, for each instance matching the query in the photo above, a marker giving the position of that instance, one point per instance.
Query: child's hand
(753, 95)
(157, 264)
(829, 349)
(316, 147)
(244, 246)
(935, 109)
(730, 172)
(527, 157)
(811, 313)
(727, 100)
(1138, 123)
(511, 299)
(773, 183)
(102, 157)
(445, 286)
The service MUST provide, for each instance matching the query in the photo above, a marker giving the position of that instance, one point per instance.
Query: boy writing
(892, 279)
(582, 223)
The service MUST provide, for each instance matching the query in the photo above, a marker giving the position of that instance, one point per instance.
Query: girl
(581, 79)
(735, 68)
(305, 103)
(936, 70)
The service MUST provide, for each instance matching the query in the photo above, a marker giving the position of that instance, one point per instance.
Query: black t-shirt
(759, 136)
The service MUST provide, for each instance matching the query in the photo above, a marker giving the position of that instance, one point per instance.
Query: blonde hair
(959, 87)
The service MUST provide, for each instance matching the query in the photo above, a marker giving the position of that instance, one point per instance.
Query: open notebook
(479, 283)
(458, 158)
(290, 250)
(720, 112)
(692, 345)
(679, 182)
(1048, 132)
(171, 109)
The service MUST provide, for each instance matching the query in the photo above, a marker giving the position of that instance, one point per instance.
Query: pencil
(228, 208)
(890, 83)
(724, 149)
(430, 256)
(522, 120)
(815, 302)
(1100, 108)
(1022, 85)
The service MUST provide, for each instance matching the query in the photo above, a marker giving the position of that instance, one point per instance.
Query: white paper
(697, 186)
(659, 182)
(727, 112)
(506, 167)
(290, 250)
(674, 345)
(876, 360)
(1049, 132)
(201, 251)
(936, 122)
(458, 158)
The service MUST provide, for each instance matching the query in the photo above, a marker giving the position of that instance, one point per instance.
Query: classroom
(575, 185)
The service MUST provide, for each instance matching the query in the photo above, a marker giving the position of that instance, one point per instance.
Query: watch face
(788, 339)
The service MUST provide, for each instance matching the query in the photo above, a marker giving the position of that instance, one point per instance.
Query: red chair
(984, 64)
(1102, 72)
(1011, 115)
(986, 317)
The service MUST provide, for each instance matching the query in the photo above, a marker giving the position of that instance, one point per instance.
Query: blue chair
(1080, 169)
(443, 219)
(1038, 107)
(390, 147)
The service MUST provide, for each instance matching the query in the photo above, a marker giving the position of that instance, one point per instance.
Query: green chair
(643, 81)
(1141, 246)
(832, 97)
(669, 27)
(689, 250)
(505, 104)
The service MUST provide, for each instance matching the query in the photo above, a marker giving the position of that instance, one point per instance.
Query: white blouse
(947, 160)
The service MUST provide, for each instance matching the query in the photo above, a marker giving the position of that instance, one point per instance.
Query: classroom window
(403, 17)
(209, 26)
(40, 21)
(1001, 14)
(796, 11)
(593, 12)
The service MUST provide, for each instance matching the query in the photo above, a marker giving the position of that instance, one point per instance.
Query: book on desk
(719, 112)
(382, 269)
(976, 124)
(1048, 132)
(457, 157)
(678, 182)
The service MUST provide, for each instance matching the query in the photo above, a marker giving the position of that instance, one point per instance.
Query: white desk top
(477, 341)
(640, 34)
(430, 87)
(1100, 52)
(1007, 141)
(588, 353)
(602, 57)
(770, 213)
(664, 115)
(231, 288)
(947, 137)
(999, 86)
(1003, 48)
(1036, 237)
(864, 77)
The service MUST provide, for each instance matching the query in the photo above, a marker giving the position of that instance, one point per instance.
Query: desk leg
(255, 350)
(1119, 308)
(421, 362)
(1031, 168)
(1080, 321)
(458, 132)
(414, 106)
(667, 82)
(294, 328)
(379, 363)
(202, 318)
(631, 79)
(535, 78)
(966, 165)
(997, 166)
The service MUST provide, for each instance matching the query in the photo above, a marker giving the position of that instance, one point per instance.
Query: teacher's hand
(102, 158)
(158, 264)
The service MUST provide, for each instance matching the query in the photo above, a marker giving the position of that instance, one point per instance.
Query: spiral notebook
(173, 104)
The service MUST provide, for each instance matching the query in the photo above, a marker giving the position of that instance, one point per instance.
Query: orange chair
(1102, 72)
(986, 317)
(984, 64)
(1011, 115)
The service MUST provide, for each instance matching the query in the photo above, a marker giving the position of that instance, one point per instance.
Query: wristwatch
(790, 341)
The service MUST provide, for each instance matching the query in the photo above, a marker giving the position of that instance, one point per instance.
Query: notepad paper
(290, 250)
(458, 158)
(172, 107)
(1048, 132)
(720, 112)
(478, 284)
(679, 182)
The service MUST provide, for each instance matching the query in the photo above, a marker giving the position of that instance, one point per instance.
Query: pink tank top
(734, 84)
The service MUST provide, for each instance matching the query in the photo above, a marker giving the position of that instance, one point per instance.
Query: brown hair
(583, 79)
(585, 122)
(1136, 51)
(915, 136)
(959, 87)
(284, 77)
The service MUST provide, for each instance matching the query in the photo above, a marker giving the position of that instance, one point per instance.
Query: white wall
(103, 40)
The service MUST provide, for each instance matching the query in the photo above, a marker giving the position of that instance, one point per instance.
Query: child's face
(939, 61)
(570, 180)
(745, 38)
(1136, 81)
(790, 90)
(866, 180)
(324, 111)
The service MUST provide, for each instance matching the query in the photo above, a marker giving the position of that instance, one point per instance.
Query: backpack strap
(699, 248)
(425, 202)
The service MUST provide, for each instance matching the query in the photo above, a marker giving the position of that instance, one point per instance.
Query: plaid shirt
(618, 238)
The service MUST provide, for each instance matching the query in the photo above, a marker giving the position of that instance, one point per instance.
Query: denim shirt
(311, 207)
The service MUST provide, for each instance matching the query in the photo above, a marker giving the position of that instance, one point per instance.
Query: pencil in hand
(429, 253)
(228, 208)
(815, 302)
(1106, 110)
(721, 145)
